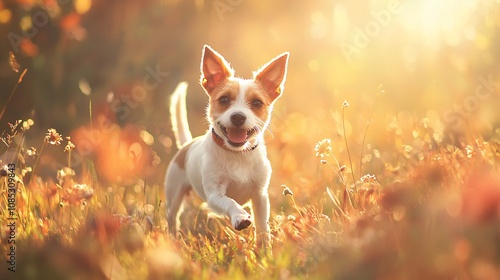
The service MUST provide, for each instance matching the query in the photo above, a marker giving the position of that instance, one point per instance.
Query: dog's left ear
(272, 75)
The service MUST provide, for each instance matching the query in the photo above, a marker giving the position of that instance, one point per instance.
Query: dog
(228, 165)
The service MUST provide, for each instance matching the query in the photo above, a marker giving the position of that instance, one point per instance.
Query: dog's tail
(178, 116)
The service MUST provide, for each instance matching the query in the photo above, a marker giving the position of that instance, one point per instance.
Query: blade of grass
(13, 91)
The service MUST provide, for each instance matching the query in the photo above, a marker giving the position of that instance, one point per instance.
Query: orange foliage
(119, 153)
(481, 199)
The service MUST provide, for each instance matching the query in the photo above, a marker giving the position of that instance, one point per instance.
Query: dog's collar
(220, 142)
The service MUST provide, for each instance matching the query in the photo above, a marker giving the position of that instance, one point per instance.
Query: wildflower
(53, 137)
(368, 178)
(287, 190)
(84, 191)
(70, 146)
(77, 193)
(323, 161)
(345, 104)
(13, 126)
(31, 152)
(323, 147)
(437, 157)
(65, 172)
(26, 171)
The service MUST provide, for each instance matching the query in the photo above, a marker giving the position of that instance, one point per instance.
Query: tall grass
(431, 213)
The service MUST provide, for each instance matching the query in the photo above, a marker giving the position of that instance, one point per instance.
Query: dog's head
(239, 110)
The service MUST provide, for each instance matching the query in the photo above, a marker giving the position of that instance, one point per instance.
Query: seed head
(27, 124)
(31, 152)
(287, 190)
(70, 146)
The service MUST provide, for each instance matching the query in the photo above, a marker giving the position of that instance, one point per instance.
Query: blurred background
(102, 72)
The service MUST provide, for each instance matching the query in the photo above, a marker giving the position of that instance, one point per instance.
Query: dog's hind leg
(176, 189)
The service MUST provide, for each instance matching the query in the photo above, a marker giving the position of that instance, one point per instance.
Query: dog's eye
(257, 104)
(224, 100)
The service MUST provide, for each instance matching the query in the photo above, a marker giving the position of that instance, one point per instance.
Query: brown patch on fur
(229, 89)
(253, 93)
(180, 157)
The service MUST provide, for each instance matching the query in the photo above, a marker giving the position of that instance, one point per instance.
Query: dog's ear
(214, 69)
(272, 75)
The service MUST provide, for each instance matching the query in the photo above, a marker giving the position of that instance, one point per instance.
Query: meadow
(385, 166)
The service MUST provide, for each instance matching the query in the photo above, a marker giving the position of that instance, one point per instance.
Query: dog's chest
(244, 177)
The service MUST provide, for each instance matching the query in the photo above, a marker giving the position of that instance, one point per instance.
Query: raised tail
(178, 116)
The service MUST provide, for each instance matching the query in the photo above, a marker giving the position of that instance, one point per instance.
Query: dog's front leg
(260, 205)
(220, 203)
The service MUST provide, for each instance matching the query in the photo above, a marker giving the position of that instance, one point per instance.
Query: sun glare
(384, 145)
(440, 22)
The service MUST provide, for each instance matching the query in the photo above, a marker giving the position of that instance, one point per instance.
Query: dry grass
(388, 193)
(431, 211)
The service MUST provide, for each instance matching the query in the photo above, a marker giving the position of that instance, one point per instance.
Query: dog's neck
(220, 142)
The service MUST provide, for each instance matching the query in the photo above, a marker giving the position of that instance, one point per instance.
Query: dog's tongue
(237, 135)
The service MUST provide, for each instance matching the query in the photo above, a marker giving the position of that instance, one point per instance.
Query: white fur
(178, 106)
(226, 177)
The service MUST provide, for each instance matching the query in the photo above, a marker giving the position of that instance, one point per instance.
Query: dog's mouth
(236, 136)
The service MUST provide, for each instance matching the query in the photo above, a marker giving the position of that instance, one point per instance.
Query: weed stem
(36, 161)
(347, 146)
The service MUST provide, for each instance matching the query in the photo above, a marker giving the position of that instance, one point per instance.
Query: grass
(431, 211)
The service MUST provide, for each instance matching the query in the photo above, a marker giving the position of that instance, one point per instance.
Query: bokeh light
(406, 92)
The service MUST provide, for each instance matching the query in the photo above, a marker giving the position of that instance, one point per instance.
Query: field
(385, 166)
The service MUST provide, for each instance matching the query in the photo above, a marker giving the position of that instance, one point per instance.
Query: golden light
(435, 23)
(82, 6)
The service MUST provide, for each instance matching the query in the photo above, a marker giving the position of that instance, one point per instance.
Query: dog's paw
(241, 222)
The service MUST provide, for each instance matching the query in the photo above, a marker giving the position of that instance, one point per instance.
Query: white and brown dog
(228, 166)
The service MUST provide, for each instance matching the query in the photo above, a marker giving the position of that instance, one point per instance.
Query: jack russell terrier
(228, 166)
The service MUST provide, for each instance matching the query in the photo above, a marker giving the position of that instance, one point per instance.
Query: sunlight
(379, 160)
(435, 23)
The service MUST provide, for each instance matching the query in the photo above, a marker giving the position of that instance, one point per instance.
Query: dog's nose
(238, 119)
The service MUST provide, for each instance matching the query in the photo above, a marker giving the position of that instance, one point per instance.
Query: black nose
(238, 119)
